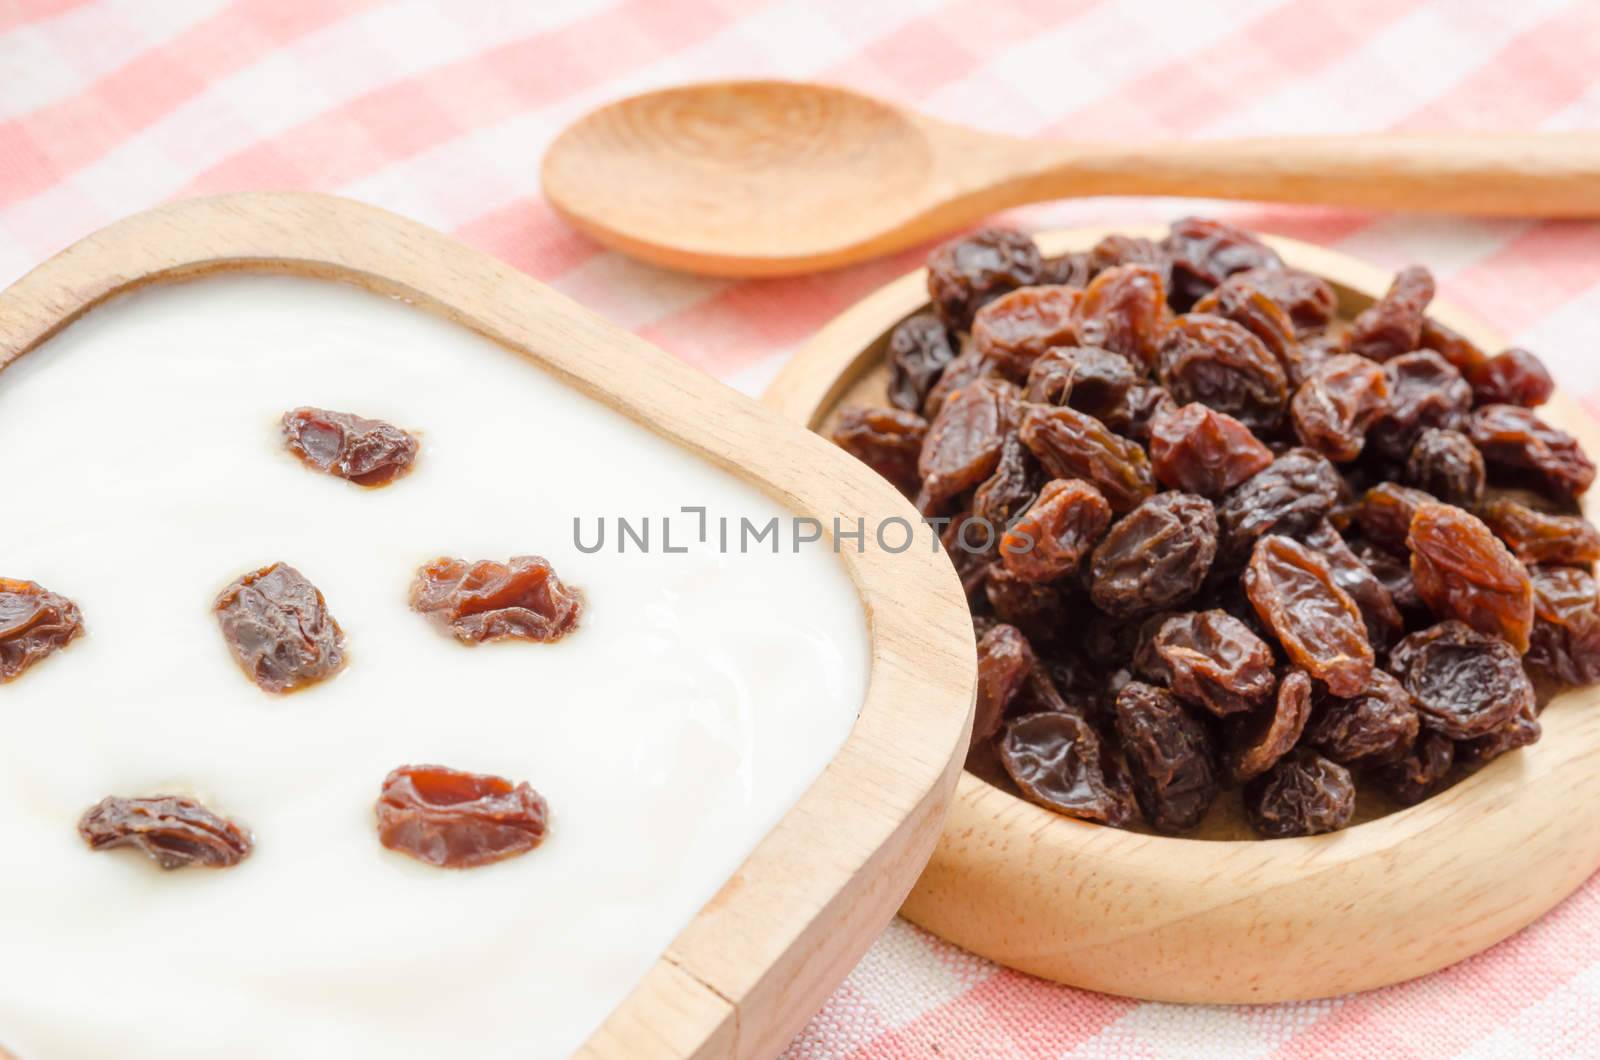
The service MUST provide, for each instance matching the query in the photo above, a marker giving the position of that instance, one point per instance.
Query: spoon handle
(1497, 175)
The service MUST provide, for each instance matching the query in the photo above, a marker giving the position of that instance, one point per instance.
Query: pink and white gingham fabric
(441, 111)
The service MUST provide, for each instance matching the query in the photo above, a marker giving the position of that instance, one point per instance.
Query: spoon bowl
(769, 178)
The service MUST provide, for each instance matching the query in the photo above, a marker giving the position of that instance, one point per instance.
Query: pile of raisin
(1220, 543)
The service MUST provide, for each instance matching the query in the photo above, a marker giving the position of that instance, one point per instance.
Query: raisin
(1465, 683)
(1238, 300)
(1317, 623)
(1014, 329)
(1013, 486)
(1446, 464)
(1424, 391)
(1511, 377)
(1071, 269)
(173, 831)
(1540, 537)
(1386, 512)
(1071, 444)
(1036, 608)
(1124, 310)
(1309, 300)
(367, 452)
(1004, 662)
(1057, 761)
(1421, 773)
(278, 627)
(1116, 250)
(1155, 557)
(1201, 450)
(1394, 573)
(1091, 380)
(1564, 645)
(1169, 758)
(1522, 730)
(1515, 440)
(1302, 794)
(1257, 740)
(1393, 325)
(455, 820)
(886, 440)
(973, 544)
(966, 274)
(967, 368)
(34, 623)
(1452, 346)
(1462, 571)
(1290, 496)
(1056, 532)
(963, 444)
(1214, 661)
(1206, 252)
(519, 600)
(1220, 364)
(919, 350)
(1376, 726)
(1338, 401)
(1383, 619)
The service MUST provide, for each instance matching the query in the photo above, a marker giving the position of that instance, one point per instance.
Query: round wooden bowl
(1225, 917)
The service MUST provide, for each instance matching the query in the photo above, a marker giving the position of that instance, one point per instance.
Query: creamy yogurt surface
(144, 471)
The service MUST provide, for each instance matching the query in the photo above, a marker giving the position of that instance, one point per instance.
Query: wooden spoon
(771, 178)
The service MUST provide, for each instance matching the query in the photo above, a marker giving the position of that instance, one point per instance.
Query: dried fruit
(1058, 761)
(1290, 496)
(1351, 573)
(1424, 391)
(1239, 300)
(1014, 329)
(1214, 661)
(1169, 758)
(1091, 380)
(886, 440)
(919, 350)
(1465, 683)
(1462, 571)
(1056, 532)
(34, 623)
(1421, 773)
(1511, 377)
(1257, 740)
(1004, 662)
(1206, 252)
(1072, 445)
(1124, 310)
(367, 452)
(1514, 439)
(1309, 300)
(1446, 464)
(1317, 623)
(1376, 726)
(967, 368)
(1037, 608)
(278, 627)
(963, 443)
(1303, 794)
(1138, 411)
(1386, 512)
(1523, 729)
(1071, 269)
(1338, 401)
(1564, 645)
(1538, 537)
(973, 544)
(518, 600)
(1116, 250)
(171, 830)
(455, 820)
(1222, 365)
(966, 274)
(1013, 486)
(1393, 325)
(1201, 450)
(1452, 346)
(1156, 557)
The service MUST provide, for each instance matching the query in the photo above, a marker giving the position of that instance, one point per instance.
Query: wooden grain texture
(768, 178)
(777, 938)
(1242, 920)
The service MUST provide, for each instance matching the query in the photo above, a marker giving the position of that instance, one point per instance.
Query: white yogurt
(143, 472)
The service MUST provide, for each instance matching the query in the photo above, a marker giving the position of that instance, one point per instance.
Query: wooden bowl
(1224, 918)
(767, 950)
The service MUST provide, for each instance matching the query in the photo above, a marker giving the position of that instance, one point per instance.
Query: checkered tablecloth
(441, 111)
